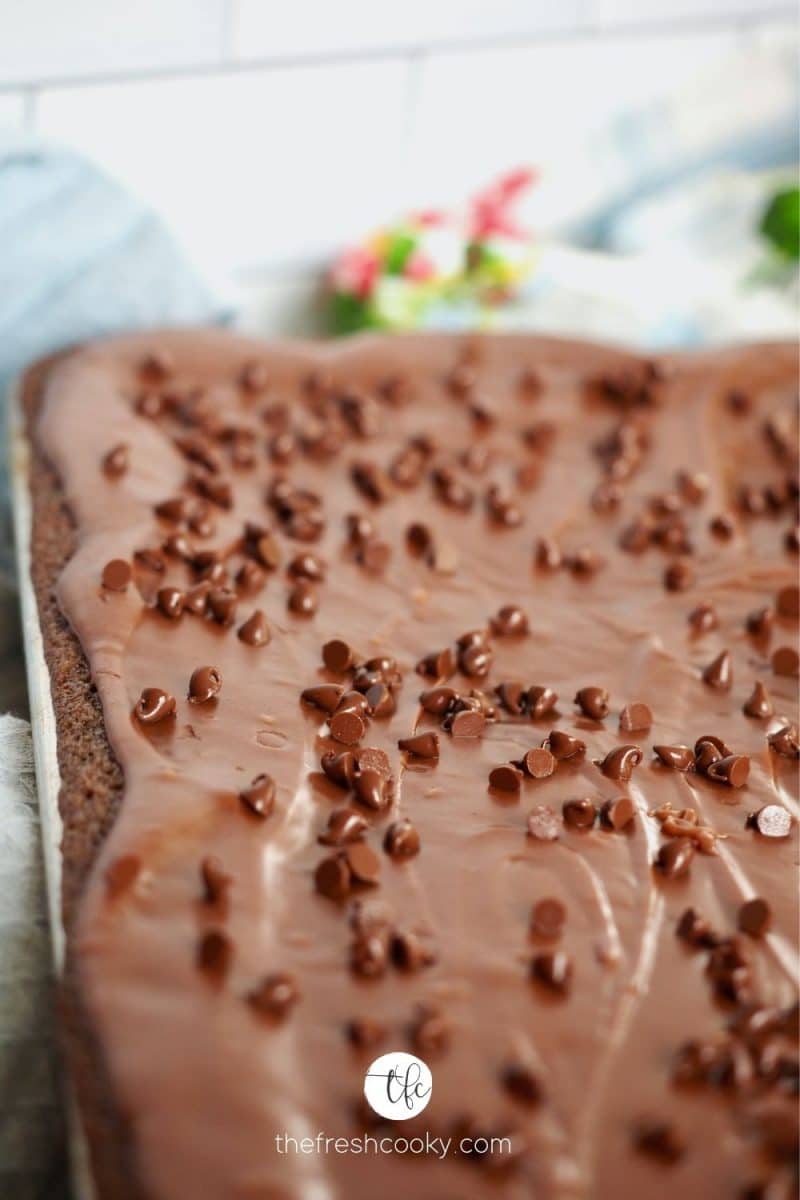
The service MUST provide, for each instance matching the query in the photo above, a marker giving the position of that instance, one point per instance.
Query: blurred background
(271, 136)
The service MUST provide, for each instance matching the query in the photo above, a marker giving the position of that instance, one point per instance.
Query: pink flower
(490, 210)
(419, 266)
(356, 272)
(430, 218)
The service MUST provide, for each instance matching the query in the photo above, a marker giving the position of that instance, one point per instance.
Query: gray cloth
(78, 258)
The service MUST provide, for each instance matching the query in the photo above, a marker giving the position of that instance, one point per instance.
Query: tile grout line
(227, 64)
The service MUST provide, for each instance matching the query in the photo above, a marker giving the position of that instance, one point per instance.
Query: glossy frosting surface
(205, 1081)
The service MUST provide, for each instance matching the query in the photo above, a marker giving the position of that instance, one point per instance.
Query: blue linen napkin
(79, 258)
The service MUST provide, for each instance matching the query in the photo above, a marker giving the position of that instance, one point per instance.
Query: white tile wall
(269, 131)
(648, 12)
(46, 39)
(553, 105)
(263, 166)
(307, 26)
(12, 111)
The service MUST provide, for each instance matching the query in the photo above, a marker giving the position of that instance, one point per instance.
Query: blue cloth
(79, 258)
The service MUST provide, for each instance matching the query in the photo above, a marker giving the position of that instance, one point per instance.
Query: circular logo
(398, 1086)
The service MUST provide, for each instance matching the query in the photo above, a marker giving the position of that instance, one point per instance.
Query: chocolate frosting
(217, 976)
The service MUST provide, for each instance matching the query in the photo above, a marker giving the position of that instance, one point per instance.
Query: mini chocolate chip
(540, 702)
(325, 696)
(204, 685)
(692, 485)
(347, 726)
(409, 952)
(521, 1084)
(222, 605)
(214, 953)
(440, 664)
(547, 554)
(755, 917)
(401, 840)
(372, 758)
(538, 763)
(694, 929)
(255, 631)
(771, 821)
(593, 702)
(719, 673)
(332, 877)
(714, 741)
(733, 769)
(509, 621)
(380, 701)
(787, 602)
(759, 622)
(620, 762)
(249, 577)
(174, 509)
(254, 376)
(553, 970)
(506, 778)
(437, 700)
(547, 919)
(364, 864)
(156, 366)
(421, 745)
(658, 1139)
(722, 526)
(371, 788)
(465, 722)
(758, 705)
(618, 813)
(259, 797)
(703, 619)
(543, 823)
(678, 576)
(275, 996)
(302, 600)
(579, 814)
(429, 1032)
(674, 858)
(150, 560)
(583, 562)
(786, 661)
(307, 566)
(170, 601)
(784, 741)
(340, 768)
(364, 1033)
(214, 878)
(635, 718)
(115, 462)
(419, 539)
(371, 481)
(369, 953)
(338, 656)
(196, 599)
(563, 745)
(678, 758)
(512, 697)
(117, 574)
(154, 705)
(475, 661)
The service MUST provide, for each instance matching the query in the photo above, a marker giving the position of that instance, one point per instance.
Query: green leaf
(400, 249)
(780, 223)
(349, 314)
